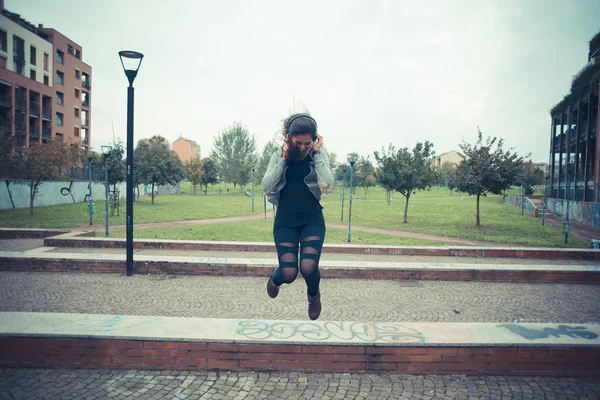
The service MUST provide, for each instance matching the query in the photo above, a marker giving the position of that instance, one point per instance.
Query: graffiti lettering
(532, 334)
(353, 331)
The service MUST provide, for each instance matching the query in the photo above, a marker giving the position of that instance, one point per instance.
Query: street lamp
(253, 169)
(545, 194)
(351, 159)
(131, 58)
(91, 208)
(105, 151)
(342, 193)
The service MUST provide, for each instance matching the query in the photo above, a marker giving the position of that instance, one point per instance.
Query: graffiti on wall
(584, 212)
(515, 200)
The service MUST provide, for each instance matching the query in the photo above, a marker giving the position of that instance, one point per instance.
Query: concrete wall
(586, 213)
(55, 193)
(515, 200)
(50, 193)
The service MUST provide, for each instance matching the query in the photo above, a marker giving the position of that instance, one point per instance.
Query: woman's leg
(311, 244)
(286, 242)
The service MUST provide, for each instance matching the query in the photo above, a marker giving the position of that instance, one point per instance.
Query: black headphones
(299, 116)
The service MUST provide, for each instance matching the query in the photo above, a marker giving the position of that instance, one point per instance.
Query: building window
(46, 80)
(77, 54)
(32, 74)
(60, 98)
(3, 41)
(85, 80)
(32, 55)
(76, 93)
(84, 118)
(46, 61)
(76, 112)
(59, 137)
(76, 73)
(76, 131)
(59, 119)
(70, 49)
(60, 77)
(85, 99)
(19, 68)
(60, 57)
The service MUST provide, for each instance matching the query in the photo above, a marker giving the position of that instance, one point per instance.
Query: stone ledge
(148, 342)
(442, 251)
(221, 266)
(18, 233)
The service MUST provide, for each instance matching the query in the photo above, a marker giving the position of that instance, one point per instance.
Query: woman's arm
(322, 168)
(274, 172)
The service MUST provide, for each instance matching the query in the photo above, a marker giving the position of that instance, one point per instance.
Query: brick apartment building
(186, 149)
(45, 87)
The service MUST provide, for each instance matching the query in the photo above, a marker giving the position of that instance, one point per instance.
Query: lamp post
(351, 159)
(253, 169)
(105, 151)
(91, 204)
(343, 194)
(522, 200)
(131, 58)
(545, 194)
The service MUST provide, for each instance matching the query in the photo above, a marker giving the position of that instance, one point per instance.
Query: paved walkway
(34, 384)
(343, 300)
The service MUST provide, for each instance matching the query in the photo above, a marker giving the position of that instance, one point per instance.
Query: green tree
(209, 173)
(234, 152)
(487, 168)
(116, 164)
(156, 164)
(364, 174)
(263, 162)
(194, 172)
(41, 162)
(7, 146)
(405, 170)
(531, 176)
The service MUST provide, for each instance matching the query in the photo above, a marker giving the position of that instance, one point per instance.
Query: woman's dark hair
(299, 124)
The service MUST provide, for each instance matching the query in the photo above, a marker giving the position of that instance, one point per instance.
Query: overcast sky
(370, 72)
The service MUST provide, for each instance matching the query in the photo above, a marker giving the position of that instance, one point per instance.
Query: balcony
(47, 112)
(34, 133)
(5, 101)
(21, 104)
(19, 57)
(85, 103)
(5, 125)
(86, 84)
(85, 122)
(34, 108)
(46, 133)
(20, 130)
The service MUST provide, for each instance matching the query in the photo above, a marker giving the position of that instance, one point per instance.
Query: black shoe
(314, 306)
(272, 288)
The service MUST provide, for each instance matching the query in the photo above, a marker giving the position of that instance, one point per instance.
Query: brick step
(222, 266)
(76, 240)
(167, 343)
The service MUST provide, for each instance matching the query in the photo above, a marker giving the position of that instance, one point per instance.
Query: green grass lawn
(164, 209)
(437, 211)
(262, 231)
(456, 217)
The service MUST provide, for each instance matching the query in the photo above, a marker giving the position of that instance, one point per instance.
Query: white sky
(370, 72)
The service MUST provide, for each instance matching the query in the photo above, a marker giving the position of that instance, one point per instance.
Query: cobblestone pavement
(105, 384)
(343, 300)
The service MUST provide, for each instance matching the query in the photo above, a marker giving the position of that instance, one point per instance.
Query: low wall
(15, 194)
(584, 212)
(516, 200)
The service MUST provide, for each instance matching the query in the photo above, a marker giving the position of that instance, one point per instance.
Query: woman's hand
(285, 151)
(318, 143)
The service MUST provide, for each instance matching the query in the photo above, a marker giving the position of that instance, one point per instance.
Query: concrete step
(39, 260)
(151, 342)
